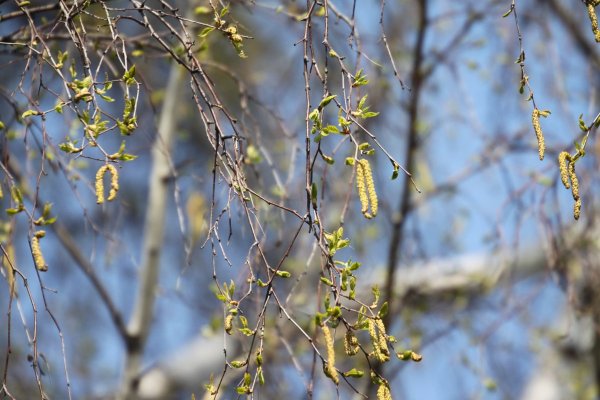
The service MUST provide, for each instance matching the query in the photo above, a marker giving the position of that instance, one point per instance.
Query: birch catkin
(329, 365)
(114, 183)
(537, 127)
(36, 251)
(380, 349)
(594, 19)
(569, 179)
(383, 347)
(575, 190)
(564, 160)
(383, 391)
(350, 343)
(366, 189)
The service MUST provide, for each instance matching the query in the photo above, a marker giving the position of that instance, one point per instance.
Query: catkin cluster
(569, 179)
(329, 365)
(537, 127)
(591, 8)
(366, 188)
(378, 339)
(350, 343)
(114, 183)
(36, 251)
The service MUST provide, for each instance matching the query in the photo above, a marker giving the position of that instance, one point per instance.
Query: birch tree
(316, 198)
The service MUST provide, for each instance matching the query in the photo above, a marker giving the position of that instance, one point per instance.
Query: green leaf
(521, 57)
(330, 129)
(238, 364)
(506, 14)
(261, 377)
(544, 113)
(283, 274)
(353, 373)
(68, 147)
(202, 10)
(326, 101)
(246, 331)
(29, 113)
(349, 160)
(328, 160)
(369, 114)
(260, 283)
(127, 157)
(360, 79)
(383, 310)
(582, 124)
(106, 98)
(206, 31)
(354, 265)
(362, 101)
(129, 76)
(253, 155)
(16, 195)
(376, 294)
(343, 243)
(396, 170)
(326, 281)
(335, 312)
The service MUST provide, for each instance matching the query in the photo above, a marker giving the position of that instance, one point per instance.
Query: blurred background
(487, 274)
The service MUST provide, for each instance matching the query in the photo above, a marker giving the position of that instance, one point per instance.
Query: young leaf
(326, 101)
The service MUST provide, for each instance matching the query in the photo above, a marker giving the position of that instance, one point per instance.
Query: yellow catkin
(229, 323)
(537, 127)
(114, 183)
(594, 19)
(577, 209)
(366, 188)
(564, 158)
(329, 365)
(350, 343)
(362, 189)
(383, 391)
(380, 349)
(100, 184)
(373, 335)
(574, 181)
(383, 347)
(38, 257)
(574, 190)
